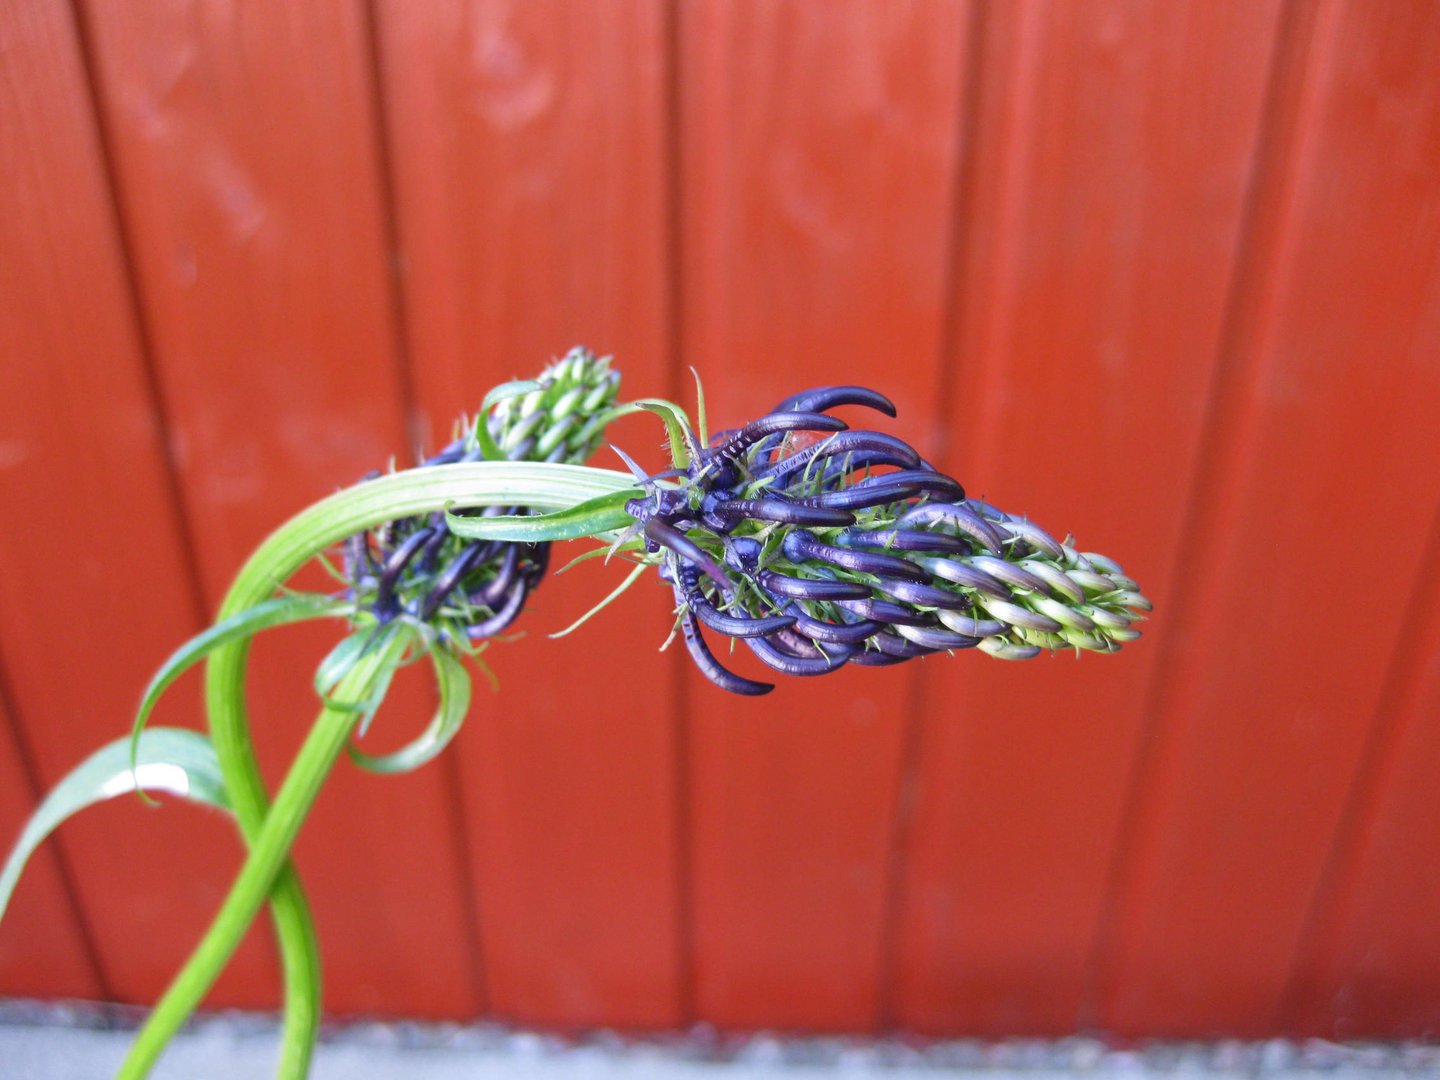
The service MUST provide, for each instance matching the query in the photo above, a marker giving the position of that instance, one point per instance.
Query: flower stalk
(269, 852)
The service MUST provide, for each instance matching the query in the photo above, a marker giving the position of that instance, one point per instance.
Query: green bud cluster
(416, 568)
(562, 417)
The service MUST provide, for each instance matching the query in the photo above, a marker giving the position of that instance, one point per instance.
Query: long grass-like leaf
(173, 760)
(603, 513)
(293, 607)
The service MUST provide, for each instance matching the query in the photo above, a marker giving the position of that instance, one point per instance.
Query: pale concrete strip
(45, 1042)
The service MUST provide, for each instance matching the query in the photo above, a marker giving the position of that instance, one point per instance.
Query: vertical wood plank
(95, 591)
(1370, 964)
(43, 951)
(529, 157)
(818, 160)
(1324, 426)
(1113, 147)
(244, 140)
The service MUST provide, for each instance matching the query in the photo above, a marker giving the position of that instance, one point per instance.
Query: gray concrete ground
(47, 1042)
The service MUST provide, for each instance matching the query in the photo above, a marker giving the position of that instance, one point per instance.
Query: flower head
(416, 568)
(819, 546)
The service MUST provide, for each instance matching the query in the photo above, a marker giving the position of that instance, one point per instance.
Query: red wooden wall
(1165, 275)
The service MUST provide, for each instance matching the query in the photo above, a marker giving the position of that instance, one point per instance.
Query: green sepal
(683, 448)
(454, 684)
(700, 419)
(337, 662)
(174, 760)
(293, 607)
(489, 448)
(604, 513)
(614, 595)
(342, 659)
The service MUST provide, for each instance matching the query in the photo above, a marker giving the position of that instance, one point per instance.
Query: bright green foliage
(172, 760)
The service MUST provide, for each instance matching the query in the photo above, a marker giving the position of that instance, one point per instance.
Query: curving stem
(269, 852)
(313, 530)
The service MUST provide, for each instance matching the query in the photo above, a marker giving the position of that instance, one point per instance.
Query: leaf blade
(604, 513)
(174, 760)
(278, 611)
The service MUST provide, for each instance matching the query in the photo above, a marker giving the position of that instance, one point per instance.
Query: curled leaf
(173, 760)
(454, 685)
(294, 607)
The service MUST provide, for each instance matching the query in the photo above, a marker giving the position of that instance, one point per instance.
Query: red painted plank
(1113, 147)
(818, 162)
(245, 144)
(94, 592)
(528, 142)
(1371, 964)
(1325, 429)
(42, 950)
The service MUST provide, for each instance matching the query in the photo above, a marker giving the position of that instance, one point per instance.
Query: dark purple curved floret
(776, 544)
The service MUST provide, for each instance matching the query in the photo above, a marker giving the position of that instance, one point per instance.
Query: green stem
(289, 909)
(271, 848)
(421, 491)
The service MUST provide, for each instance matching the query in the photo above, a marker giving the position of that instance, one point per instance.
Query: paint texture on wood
(528, 143)
(249, 180)
(1112, 148)
(94, 589)
(1328, 380)
(817, 167)
(1166, 276)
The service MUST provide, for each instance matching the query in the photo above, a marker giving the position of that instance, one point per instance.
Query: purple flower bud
(712, 668)
(803, 589)
(871, 555)
(782, 511)
(790, 664)
(933, 637)
(802, 546)
(837, 446)
(903, 540)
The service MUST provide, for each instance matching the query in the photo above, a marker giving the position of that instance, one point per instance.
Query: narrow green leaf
(293, 607)
(371, 705)
(700, 408)
(677, 425)
(339, 660)
(603, 513)
(454, 683)
(604, 552)
(615, 594)
(174, 760)
(342, 659)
